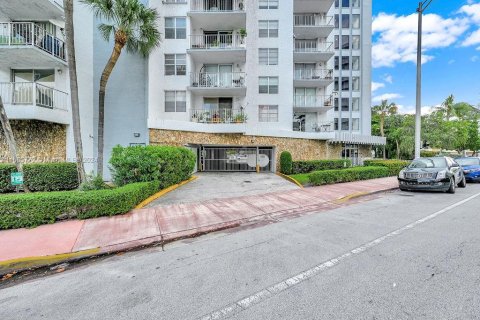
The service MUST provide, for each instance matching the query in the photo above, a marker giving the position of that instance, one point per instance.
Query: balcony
(312, 25)
(316, 127)
(314, 78)
(314, 103)
(217, 48)
(218, 84)
(22, 42)
(312, 6)
(312, 51)
(38, 10)
(33, 101)
(218, 116)
(215, 14)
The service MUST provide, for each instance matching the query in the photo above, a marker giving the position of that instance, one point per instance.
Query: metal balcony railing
(316, 127)
(217, 5)
(218, 115)
(317, 101)
(217, 42)
(308, 46)
(218, 80)
(31, 34)
(312, 20)
(314, 74)
(32, 93)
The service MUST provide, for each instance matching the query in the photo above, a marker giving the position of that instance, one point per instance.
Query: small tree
(383, 110)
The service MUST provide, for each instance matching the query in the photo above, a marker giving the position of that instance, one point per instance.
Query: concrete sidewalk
(47, 244)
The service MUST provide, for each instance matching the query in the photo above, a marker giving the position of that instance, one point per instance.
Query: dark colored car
(432, 174)
(471, 168)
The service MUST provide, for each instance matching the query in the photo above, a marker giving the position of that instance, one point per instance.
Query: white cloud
(474, 59)
(377, 85)
(472, 39)
(472, 10)
(386, 96)
(397, 37)
(388, 78)
(412, 109)
(452, 61)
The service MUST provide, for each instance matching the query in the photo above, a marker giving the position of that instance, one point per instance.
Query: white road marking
(275, 289)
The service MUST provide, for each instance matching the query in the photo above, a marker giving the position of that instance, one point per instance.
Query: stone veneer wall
(37, 141)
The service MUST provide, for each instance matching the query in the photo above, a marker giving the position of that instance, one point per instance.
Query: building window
(268, 56)
(175, 101)
(355, 3)
(345, 42)
(268, 4)
(345, 21)
(356, 63)
(345, 83)
(175, 64)
(267, 113)
(268, 28)
(345, 3)
(355, 21)
(346, 63)
(336, 62)
(345, 124)
(356, 83)
(175, 28)
(335, 85)
(268, 85)
(355, 104)
(345, 104)
(336, 42)
(355, 124)
(355, 42)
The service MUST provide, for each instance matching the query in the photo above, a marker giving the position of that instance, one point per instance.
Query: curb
(292, 180)
(163, 192)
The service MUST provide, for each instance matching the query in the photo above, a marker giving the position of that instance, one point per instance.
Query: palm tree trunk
(12, 145)
(72, 71)
(107, 71)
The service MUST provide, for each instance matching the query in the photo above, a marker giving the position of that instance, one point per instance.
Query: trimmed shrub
(394, 166)
(5, 171)
(318, 178)
(428, 154)
(33, 209)
(317, 165)
(166, 164)
(286, 162)
(51, 176)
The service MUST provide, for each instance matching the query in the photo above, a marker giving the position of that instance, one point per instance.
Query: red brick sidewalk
(164, 223)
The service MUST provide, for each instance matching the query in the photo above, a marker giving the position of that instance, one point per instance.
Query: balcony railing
(317, 101)
(316, 127)
(217, 5)
(217, 42)
(32, 93)
(218, 80)
(312, 20)
(31, 34)
(218, 115)
(314, 74)
(308, 46)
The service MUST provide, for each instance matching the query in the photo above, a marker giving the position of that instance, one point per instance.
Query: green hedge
(428, 154)
(317, 165)
(56, 176)
(394, 166)
(286, 162)
(33, 209)
(168, 165)
(318, 178)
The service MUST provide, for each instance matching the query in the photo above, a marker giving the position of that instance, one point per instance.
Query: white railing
(217, 41)
(314, 74)
(218, 115)
(30, 34)
(316, 127)
(312, 20)
(218, 80)
(317, 101)
(31, 93)
(313, 46)
(353, 138)
(217, 5)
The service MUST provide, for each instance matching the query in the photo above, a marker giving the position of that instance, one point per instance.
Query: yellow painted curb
(163, 192)
(350, 197)
(290, 179)
(30, 262)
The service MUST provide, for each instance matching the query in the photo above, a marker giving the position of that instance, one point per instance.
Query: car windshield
(429, 163)
(468, 161)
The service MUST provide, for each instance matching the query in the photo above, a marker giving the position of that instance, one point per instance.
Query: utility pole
(422, 6)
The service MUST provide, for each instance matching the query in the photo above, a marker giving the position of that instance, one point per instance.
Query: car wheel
(463, 182)
(452, 186)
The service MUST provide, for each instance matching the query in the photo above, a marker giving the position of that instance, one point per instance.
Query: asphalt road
(402, 256)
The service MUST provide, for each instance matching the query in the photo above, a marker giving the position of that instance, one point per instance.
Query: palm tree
(383, 110)
(133, 26)
(72, 71)
(448, 106)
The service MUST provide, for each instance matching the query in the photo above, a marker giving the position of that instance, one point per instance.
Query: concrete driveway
(210, 185)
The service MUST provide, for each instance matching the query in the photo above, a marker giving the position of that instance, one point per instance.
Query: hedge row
(42, 176)
(168, 165)
(318, 178)
(317, 165)
(33, 209)
(286, 162)
(394, 166)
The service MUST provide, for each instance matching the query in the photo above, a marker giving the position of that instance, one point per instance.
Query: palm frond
(106, 30)
(103, 9)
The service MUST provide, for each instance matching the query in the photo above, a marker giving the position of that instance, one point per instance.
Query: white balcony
(218, 116)
(313, 78)
(215, 14)
(312, 25)
(316, 127)
(218, 48)
(312, 6)
(39, 10)
(22, 42)
(33, 101)
(312, 51)
(313, 103)
(218, 84)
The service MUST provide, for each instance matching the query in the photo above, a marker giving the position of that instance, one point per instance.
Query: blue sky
(451, 52)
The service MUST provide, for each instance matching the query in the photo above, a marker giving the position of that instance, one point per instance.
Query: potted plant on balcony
(195, 117)
(243, 35)
(215, 44)
(216, 118)
(240, 118)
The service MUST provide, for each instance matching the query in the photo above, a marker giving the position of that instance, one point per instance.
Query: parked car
(471, 168)
(433, 174)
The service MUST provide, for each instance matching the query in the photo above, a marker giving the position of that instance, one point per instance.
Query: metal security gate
(240, 159)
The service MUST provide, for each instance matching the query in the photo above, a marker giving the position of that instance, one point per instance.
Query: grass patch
(302, 178)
